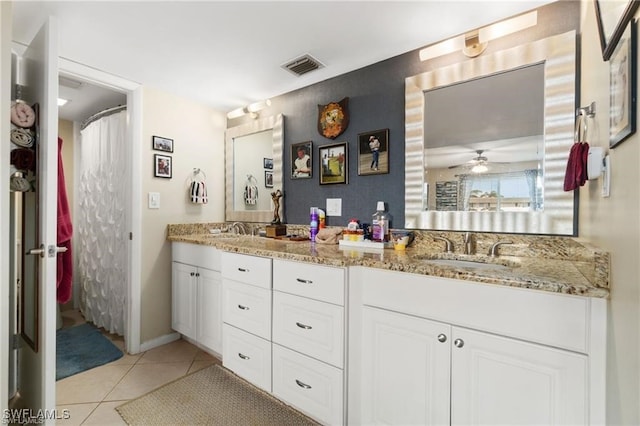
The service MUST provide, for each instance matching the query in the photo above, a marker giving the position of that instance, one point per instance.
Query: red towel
(65, 232)
(576, 174)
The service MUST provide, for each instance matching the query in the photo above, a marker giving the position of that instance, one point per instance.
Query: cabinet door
(183, 299)
(497, 380)
(405, 369)
(209, 312)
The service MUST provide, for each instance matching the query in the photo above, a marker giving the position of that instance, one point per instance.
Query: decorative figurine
(275, 196)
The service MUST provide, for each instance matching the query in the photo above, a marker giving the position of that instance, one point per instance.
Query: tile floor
(91, 396)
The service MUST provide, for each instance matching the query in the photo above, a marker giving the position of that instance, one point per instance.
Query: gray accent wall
(376, 101)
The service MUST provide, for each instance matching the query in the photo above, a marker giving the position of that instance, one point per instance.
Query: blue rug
(82, 348)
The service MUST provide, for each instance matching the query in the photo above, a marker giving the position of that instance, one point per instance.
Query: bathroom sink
(467, 264)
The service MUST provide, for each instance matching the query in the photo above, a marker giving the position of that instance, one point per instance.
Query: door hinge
(15, 342)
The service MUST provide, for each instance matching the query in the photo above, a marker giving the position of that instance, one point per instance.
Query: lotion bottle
(314, 220)
(381, 224)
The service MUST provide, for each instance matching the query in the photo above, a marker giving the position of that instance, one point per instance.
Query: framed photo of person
(623, 87)
(373, 152)
(268, 179)
(162, 144)
(162, 166)
(301, 160)
(267, 163)
(334, 164)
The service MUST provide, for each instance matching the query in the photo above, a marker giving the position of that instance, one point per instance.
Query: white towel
(198, 192)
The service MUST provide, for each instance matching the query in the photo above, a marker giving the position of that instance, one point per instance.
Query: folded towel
(328, 235)
(576, 173)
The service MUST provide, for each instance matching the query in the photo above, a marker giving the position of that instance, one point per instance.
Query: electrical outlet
(334, 206)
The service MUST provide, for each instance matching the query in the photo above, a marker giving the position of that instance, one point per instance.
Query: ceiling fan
(478, 164)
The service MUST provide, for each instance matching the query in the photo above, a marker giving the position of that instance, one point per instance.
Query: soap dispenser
(381, 224)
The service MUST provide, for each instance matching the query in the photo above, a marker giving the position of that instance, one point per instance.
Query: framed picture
(162, 144)
(373, 152)
(301, 160)
(268, 163)
(612, 17)
(334, 164)
(268, 179)
(623, 87)
(162, 166)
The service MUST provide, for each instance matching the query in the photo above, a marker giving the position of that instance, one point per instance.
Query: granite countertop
(577, 274)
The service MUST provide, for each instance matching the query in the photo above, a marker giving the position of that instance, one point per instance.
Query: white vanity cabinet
(309, 338)
(431, 351)
(196, 289)
(246, 313)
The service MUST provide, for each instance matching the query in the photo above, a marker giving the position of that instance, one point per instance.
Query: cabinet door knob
(244, 308)
(192, 274)
(306, 327)
(459, 343)
(302, 384)
(303, 281)
(442, 338)
(243, 356)
(197, 274)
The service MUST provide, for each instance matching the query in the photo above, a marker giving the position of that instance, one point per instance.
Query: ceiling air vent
(303, 65)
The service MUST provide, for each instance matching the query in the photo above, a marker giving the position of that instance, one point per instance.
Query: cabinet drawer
(247, 269)
(198, 255)
(247, 307)
(247, 355)
(309, 326)
(314, 281)
(311, 386)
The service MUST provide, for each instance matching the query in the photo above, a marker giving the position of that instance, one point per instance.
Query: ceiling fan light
(479, 168)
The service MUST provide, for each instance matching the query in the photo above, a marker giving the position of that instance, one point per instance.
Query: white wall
(614, 224)
(198, 140)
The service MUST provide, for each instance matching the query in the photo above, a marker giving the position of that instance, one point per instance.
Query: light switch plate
(154, 200)
(334, 206)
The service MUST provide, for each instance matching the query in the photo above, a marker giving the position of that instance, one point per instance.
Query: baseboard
(159, 341)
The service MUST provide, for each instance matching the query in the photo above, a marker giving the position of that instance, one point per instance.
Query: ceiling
(229, 54)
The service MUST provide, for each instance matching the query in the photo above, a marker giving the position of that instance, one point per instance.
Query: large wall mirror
(487, 141)
(253, 164)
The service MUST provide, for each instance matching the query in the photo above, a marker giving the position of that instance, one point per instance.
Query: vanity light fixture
(251, 109)
(475, 42)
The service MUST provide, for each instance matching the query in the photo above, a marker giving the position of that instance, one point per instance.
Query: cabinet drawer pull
(306, 327)
(302, 385)
(303, 281)
(243, 356)
(458, 343)
(243, 270)
(244, 308)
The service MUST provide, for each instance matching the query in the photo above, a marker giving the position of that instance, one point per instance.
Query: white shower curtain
(100, 225)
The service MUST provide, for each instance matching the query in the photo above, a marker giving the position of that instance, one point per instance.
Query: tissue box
(275, 230)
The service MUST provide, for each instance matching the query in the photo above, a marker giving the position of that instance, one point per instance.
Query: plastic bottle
(314, 220)
(381, 224)
(322, 217)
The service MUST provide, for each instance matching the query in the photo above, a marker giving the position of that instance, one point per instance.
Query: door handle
(37, 251)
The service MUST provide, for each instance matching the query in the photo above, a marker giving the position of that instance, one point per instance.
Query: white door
(405, 369)
(209, 311)
(183, 299)
(501, 381)
(38, 369)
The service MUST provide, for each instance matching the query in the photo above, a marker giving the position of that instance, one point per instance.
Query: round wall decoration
(333, 118)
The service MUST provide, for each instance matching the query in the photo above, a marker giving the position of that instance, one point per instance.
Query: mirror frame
(559, 216)
(275, 123)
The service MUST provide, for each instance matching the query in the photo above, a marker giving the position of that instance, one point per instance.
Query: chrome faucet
(449, 244)
(493, 251)
(239, 228)
(469, 243)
